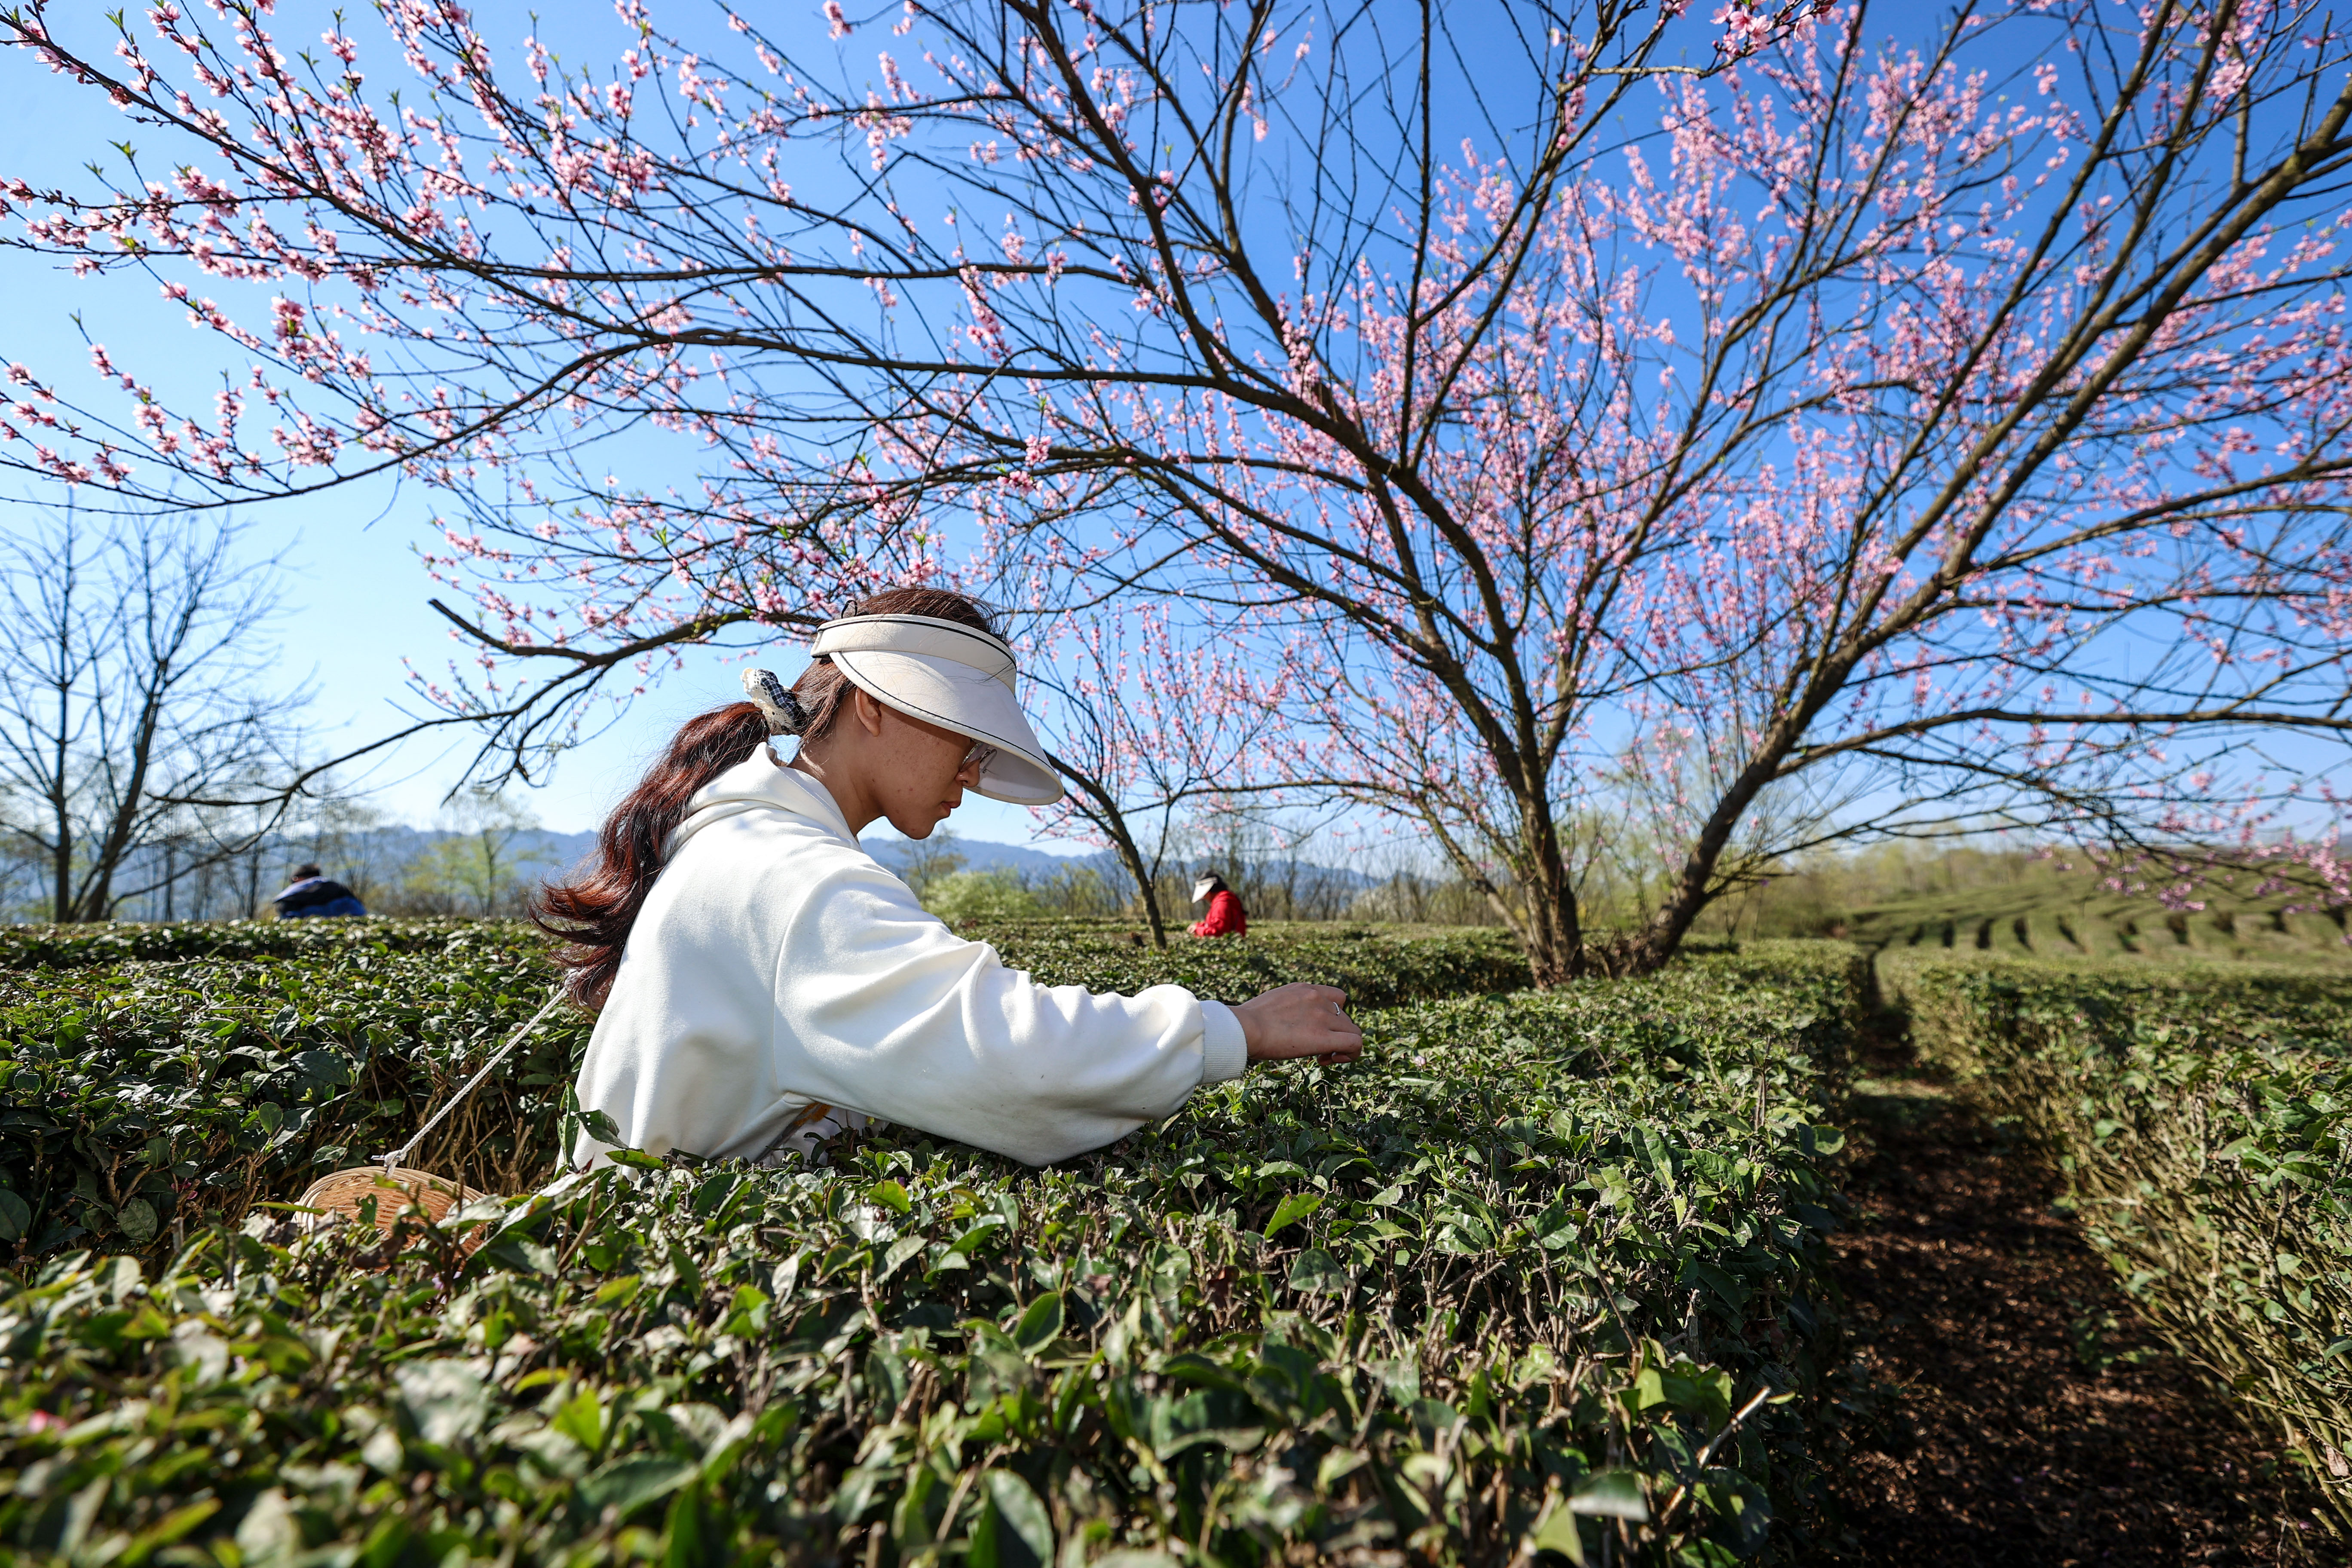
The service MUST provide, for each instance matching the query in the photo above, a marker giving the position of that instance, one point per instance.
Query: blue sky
(356, 593)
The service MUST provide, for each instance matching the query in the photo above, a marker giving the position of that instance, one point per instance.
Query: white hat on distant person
(955, 676)
(1204, 886)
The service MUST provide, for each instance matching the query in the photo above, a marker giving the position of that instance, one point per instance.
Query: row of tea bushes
(1378, 966)
(140, 1095)
(141, 1098)
(1836, 977)
(80, 946)
(1539, 1272)
(2203, 1118)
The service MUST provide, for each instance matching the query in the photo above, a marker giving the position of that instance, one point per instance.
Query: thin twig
(1708, 1453)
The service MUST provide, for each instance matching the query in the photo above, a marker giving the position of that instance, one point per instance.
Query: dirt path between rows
(2037, 1424)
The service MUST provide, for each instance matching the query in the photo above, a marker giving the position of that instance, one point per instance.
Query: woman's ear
(868, 711)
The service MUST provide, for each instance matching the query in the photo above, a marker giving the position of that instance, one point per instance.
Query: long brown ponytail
(594, 912)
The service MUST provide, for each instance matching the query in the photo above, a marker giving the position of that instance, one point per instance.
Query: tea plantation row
(2201, 1116)
(1540, 1272)
(157, 1074)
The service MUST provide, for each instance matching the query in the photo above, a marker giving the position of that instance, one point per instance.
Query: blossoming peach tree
(1152, 729)
(1606, 431)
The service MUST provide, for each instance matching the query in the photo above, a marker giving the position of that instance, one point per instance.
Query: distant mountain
(554, 851)
(559, 852)
(564, 850)
(980, 855)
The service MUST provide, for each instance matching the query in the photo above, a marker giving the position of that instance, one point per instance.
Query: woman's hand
(1299, 1020)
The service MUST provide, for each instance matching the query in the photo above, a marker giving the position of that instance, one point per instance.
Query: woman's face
(915, 772)
(878, 761)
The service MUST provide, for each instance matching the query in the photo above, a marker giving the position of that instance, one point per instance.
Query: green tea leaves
(1040, 1325)
(1444, 1342)
(1016, 1530)
(1318, 1273)
(1611, 1494)
(447, 1400)
(626, 1485)
(1297, 1206)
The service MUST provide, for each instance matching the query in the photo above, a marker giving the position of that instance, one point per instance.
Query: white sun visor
(951, 675)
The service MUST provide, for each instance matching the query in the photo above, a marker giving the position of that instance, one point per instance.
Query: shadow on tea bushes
(1538, 1270)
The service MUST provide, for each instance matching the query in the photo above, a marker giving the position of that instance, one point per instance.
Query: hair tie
(782, 710)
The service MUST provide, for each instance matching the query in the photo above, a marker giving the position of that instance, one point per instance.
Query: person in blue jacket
(312, 894)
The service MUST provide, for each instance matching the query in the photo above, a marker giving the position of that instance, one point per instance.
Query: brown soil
(2035, 1423)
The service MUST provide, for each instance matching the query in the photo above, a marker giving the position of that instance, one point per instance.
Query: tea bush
(1375, 967)
(166, 1074)
(1835, 976)
(1541, 1271)
(1378, 966)
(2202, 1117)
(138, 1098)
(80, 946)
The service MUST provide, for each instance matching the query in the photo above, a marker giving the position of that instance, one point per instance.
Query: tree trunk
(1543, 915)
(1130, 855)
(96, 900)
(1661, 937)
(60, 798)
(62, 861)
(1098, 806)
(1145, 888)
(1553, 933)
(1554, 954)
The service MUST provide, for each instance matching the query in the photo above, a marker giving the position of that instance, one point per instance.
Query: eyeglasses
(978, 758)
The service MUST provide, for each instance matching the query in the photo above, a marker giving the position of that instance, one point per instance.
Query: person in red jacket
(1225, 917)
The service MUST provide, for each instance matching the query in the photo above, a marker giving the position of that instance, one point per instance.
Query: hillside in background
(2088, 921)
(983, 854)
(423, 871)
(2022, 903)
(555, 852)
(563, 850)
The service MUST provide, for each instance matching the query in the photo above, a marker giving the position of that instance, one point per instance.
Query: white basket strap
(392, 1160)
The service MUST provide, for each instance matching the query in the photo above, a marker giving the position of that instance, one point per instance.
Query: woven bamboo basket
(396, 1190)
(397, 1187)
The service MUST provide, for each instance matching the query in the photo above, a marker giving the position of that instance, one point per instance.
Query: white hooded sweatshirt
(776, 966)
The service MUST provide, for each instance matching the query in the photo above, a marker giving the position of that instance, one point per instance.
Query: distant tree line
(1279, 877)
(483, 857)
(147, 733)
